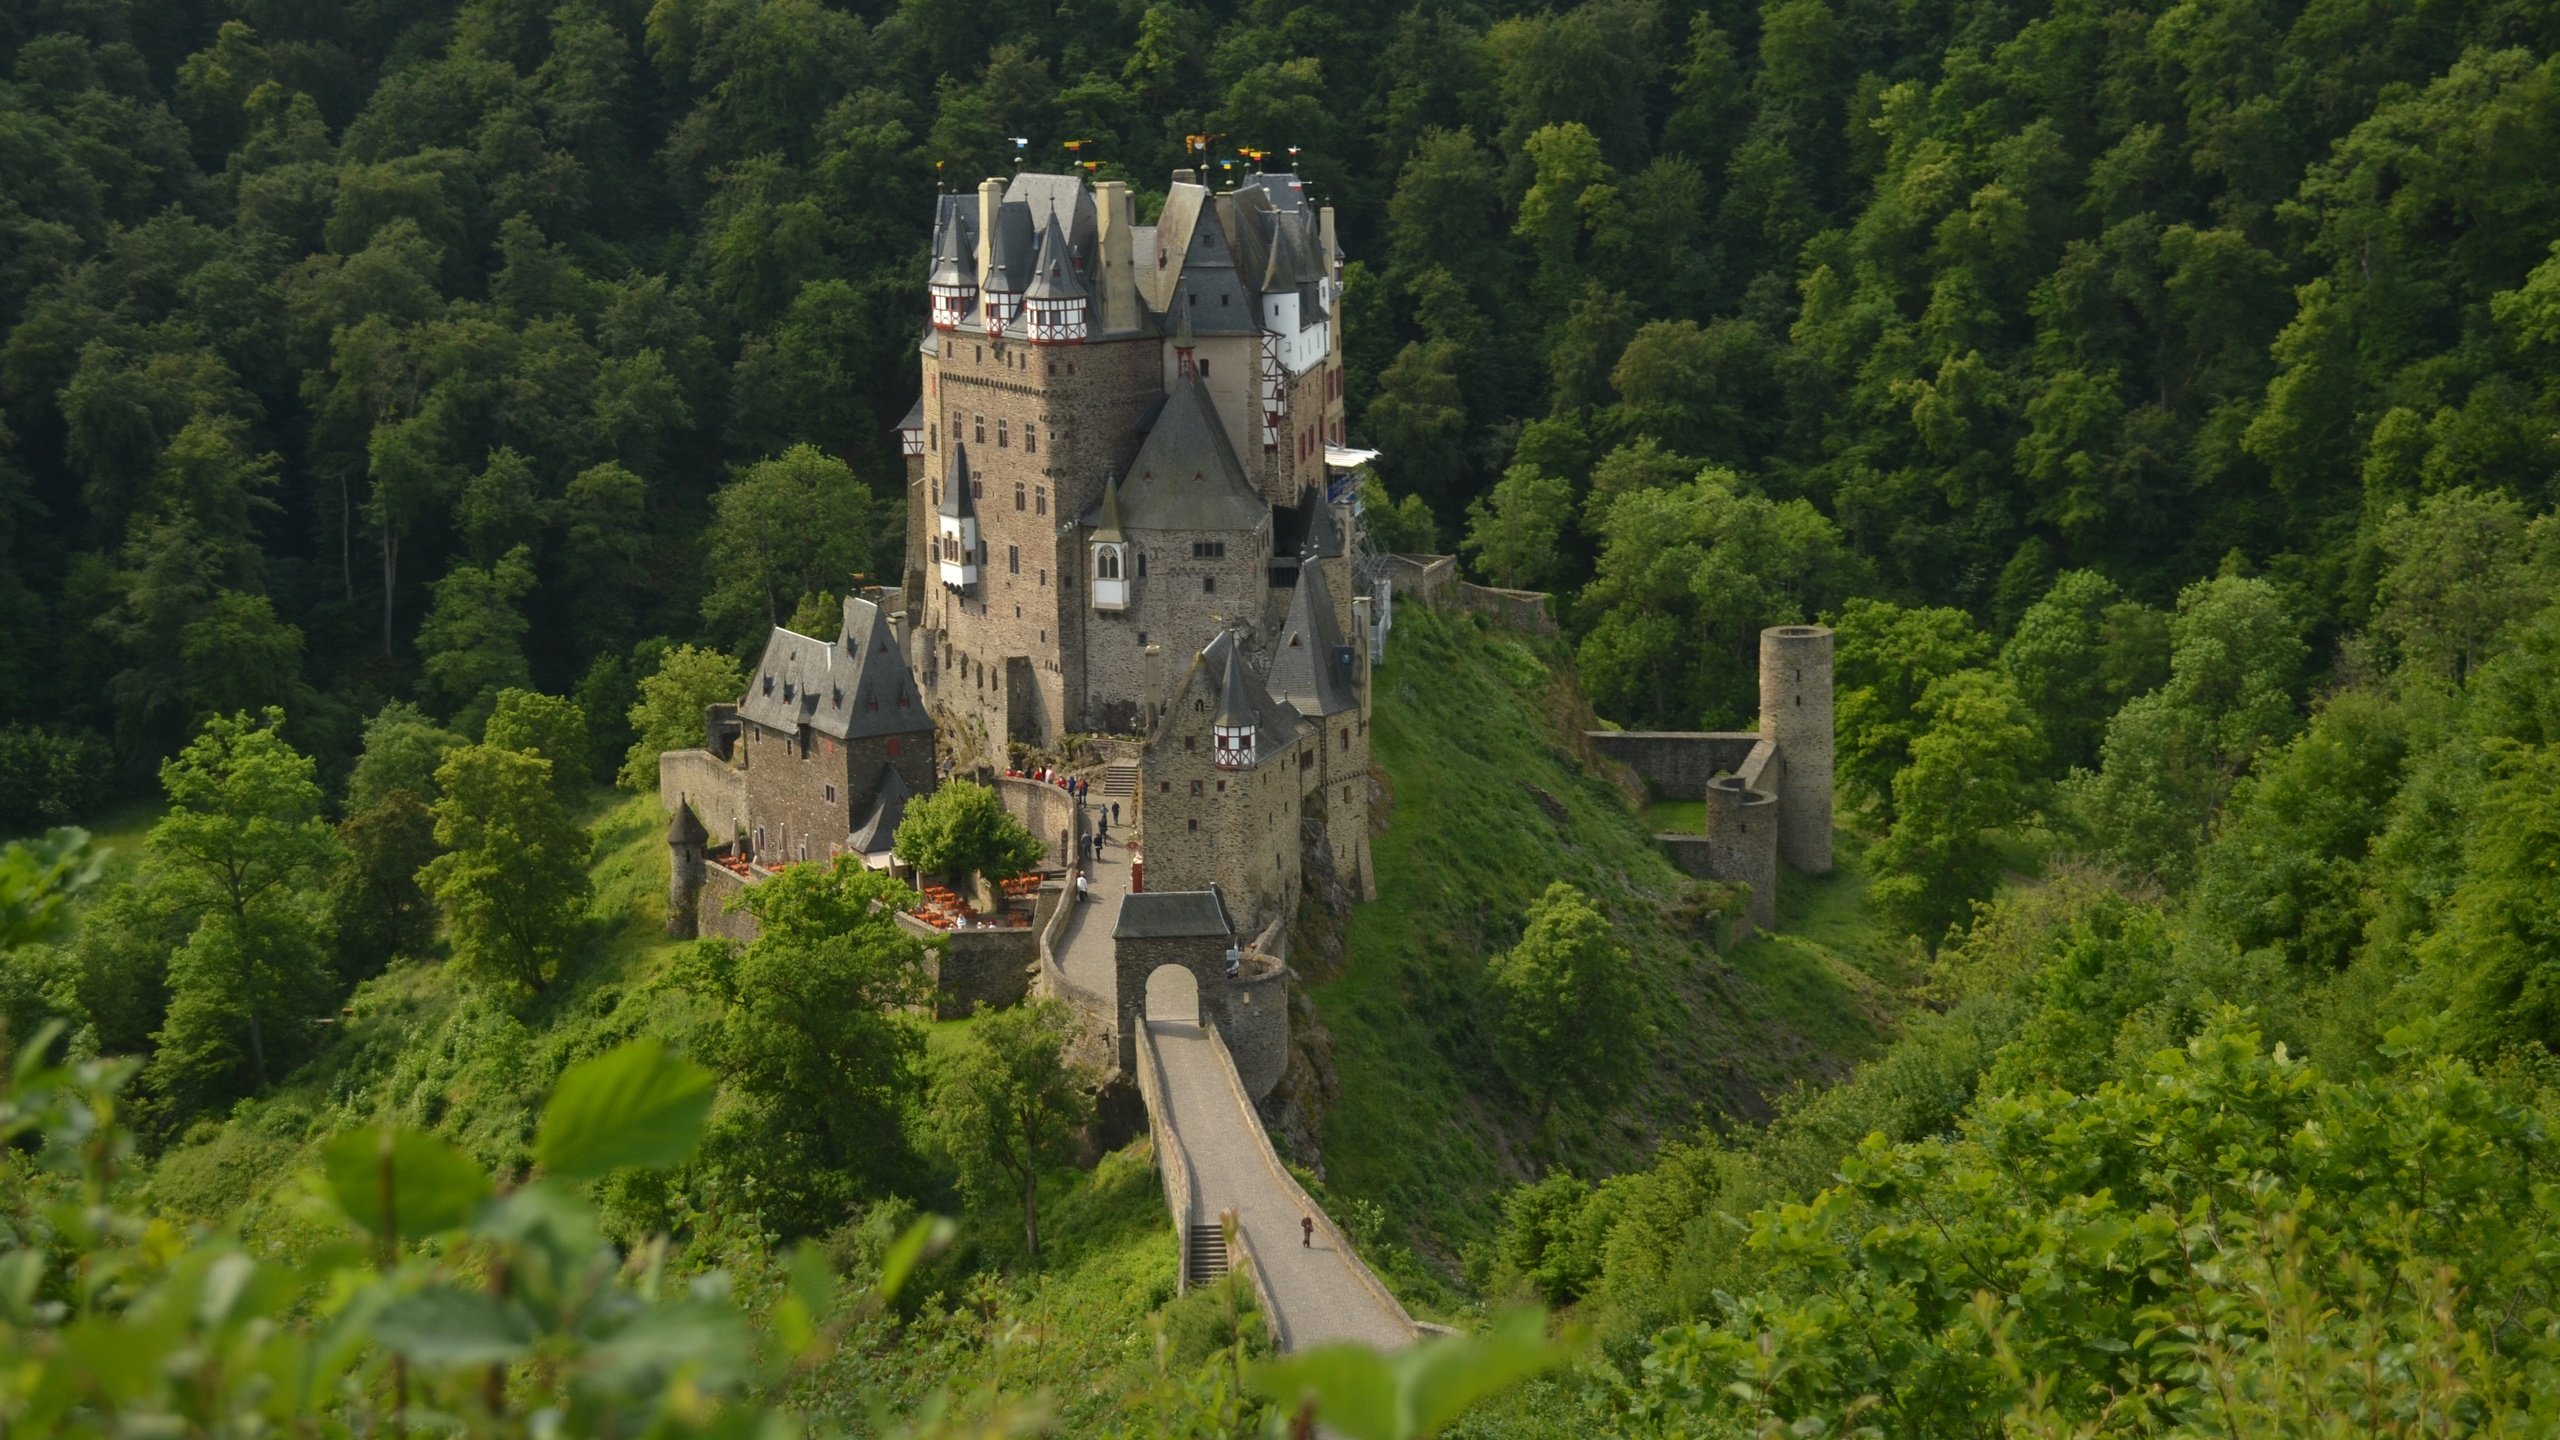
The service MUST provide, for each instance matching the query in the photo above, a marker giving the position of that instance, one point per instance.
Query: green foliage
(815, 1037)
(1886, 659)
(1008, 1102)
(963, 829)
(1970, 776)
(784, 527)
(1399, 527)
(376, 907)
(402, 749)
(1689, 575)
(2459, 568)
(49, 776)
(2231, 1224)
(1516, 536)
(512, 878)
(669, 713)
(548, 728)
(2078, 653)
(243, 846)
(1570, 1021)
(471, 645)
(1417, 1391)
(2171, 756)
(635, 1106)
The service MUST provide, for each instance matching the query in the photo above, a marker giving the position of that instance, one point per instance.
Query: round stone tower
(1795, 714)
(1743, 835)
(685, 869)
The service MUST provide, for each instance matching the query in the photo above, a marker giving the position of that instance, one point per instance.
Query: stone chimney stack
(1324, 230)
(990, 201)
(1115, 278)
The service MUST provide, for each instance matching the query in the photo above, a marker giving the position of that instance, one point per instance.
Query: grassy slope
(1469, 722)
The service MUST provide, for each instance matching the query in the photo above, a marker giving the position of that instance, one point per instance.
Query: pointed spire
(955, 485)
(999, 261)
(950, 260)
(1054, 275)
(1110, 528)
(1235, 705)
(1184, 342)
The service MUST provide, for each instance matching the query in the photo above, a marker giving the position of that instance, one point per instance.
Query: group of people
(1089, 845)
(1073, 785)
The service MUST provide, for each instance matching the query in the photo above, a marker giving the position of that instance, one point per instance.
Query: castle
(1126, 516)
(1128, 529)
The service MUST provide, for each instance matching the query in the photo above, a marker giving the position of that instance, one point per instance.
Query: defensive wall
(1434, 580)
(980, 968)
(1046, 810)
(1675, 764)
(715, 790)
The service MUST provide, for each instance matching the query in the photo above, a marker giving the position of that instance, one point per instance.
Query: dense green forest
(410, 409)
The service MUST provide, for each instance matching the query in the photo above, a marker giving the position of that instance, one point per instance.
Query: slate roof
(914, 419)
(1186, 475)
(684, 827)
(1209, 288)
(1311, 667)
(953, 260)
(1276, 726)
(1173, 914)
(956, 504)
(1235, 707)
(888, 807)
(1055, 274)
(853, 687)
(1107, 526)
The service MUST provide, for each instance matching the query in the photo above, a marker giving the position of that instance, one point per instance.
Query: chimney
(1184, 176)
(1115, 277)
(1324, 229)
(990, 202)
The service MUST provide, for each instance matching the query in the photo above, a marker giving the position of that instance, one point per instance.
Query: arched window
(1106, 563)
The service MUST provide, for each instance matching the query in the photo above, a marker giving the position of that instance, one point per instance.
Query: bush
(50, 777)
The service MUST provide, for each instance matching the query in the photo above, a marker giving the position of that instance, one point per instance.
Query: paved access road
(1319, 1295)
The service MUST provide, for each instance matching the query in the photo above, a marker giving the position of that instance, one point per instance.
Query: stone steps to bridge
(1204, 1256)
(1120, 777)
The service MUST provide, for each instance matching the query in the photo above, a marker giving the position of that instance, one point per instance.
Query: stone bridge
(1210, 1145)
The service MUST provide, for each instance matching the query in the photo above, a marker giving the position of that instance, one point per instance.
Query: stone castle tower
(1795, 715)
(1128, 508)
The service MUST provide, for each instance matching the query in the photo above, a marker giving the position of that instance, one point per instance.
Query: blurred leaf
(699, 1338)
(434, 1186)
(443, 1327)
(636, 1105)
(1415, 1392)
(922, 1240)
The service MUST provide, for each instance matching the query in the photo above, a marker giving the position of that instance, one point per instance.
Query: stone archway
(1173, 993)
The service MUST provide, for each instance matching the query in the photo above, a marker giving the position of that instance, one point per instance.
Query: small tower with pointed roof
(1110, 553)
(1054, 303)
(1231, 730)
(956, 526)
(953, 287)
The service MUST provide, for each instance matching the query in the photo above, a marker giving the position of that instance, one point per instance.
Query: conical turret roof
(1054, 275)
(951, 260)
(955, 486)
(1235, 704)
(999, 263)
(1110, 529)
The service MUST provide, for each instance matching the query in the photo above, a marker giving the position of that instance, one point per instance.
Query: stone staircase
(1204, 1259)
(1120, 780)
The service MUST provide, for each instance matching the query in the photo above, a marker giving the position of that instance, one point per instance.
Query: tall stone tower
(1795, 714)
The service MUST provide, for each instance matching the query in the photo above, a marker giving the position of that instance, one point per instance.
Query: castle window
(1306, 759)
(933, 436)
(955, 424)
(893, 740)
(1013, 566)
(1053, 367)
(1039, 493)
(1195, 787)
(1044, 578)
(1204, 369)
(1208, 584)
(1001, 442)
(1030, 438)
(1195, 827)
(1346, 739)
(978, 424)
(978, 487)
(1020, 493)
(1222, 787)
(1192, 742)
(871, 705)
(1142, 574)
(1106, 563)
(1164, 787)
(831, 793)
(1208, 549)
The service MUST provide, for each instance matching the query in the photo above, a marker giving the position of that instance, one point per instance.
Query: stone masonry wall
(1081, 404)
(977, 969)
(1742, 844)
(1256, 1026)
(717, 793)
(1235, 829)
(1045, 810)
(720, 891)
(1675, 764)
(1134, 960)
(1172, 604)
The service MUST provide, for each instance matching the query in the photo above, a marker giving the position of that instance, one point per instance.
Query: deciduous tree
(512, 881)
(1007, 1103)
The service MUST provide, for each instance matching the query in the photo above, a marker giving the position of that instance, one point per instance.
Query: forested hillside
(412, 410)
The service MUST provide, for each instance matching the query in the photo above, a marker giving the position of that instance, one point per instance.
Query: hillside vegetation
(1494, 796)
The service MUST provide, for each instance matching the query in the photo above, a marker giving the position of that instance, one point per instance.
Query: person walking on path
(1084, 886)
(1307, 1232)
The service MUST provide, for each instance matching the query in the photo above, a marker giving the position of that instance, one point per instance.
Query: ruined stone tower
(1795, 714)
